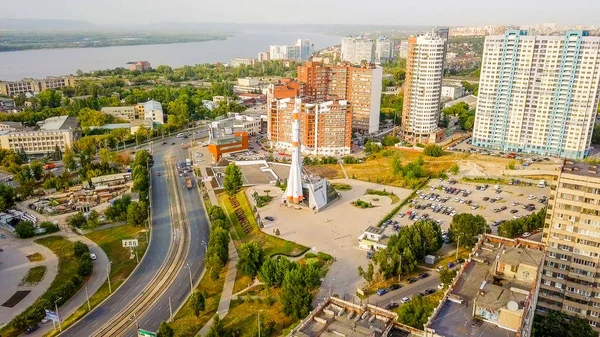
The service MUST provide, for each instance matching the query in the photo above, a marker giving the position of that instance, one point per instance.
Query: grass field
(34, 275)
(243, 316)
(392, 196)
(185, 323)
(271, 245)
(35, 257)
(341, 187)
(110, 241)
(67, 267)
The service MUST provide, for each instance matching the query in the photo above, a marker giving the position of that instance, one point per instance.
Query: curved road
(156, 254)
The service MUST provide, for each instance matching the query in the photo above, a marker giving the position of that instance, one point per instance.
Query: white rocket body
(293, 192)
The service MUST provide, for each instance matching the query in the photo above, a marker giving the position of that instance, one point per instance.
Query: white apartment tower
(385, 49)
(422, 89)
(358, 49)
(538, 94)
(302, 50)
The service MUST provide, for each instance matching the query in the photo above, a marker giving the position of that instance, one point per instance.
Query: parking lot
(441, 200)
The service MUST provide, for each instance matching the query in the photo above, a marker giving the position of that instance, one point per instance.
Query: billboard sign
(144, 333)
(130, 243)
(51, 315)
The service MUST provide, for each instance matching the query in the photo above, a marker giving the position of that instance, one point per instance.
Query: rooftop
(495, 283)
(470, 100)
(59, 123)
(580, 168)
(375, 230)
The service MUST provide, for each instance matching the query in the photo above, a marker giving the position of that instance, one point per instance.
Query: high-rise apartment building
(385, 49)
(325, 127)
(30, 85)
(302, 50)
(422, 89)
(538, 94)
(361, 86)
(570, 280)
(358, 49)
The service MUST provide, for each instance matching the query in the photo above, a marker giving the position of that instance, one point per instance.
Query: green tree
(295, 296)
(273, 270)
(596, 133)
(558, 324)
(48, 98)
(454, 169)
(69, 159)
(217, 329)
(88, 117)
(25, 229)
(447, 275)
(107, 156)
(197, 302)
(77, 220)
(80, 249)
(251, 258)
(7, 197)
(233, 179)
(465, 227)
(118, 210)
(433, 150)
(37, 170)
(389, 140)
(165, 330)
(137, 213)
(416, 312)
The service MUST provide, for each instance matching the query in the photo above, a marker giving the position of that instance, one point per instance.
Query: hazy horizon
(314, 12)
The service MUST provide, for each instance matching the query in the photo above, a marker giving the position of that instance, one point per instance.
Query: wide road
(156, 253)
(199, 231)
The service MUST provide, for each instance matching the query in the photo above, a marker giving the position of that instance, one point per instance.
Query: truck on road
(188, 182)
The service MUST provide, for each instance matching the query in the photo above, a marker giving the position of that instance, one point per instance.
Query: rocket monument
(293, 192)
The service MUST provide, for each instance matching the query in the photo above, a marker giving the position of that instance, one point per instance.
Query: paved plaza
(334, 230)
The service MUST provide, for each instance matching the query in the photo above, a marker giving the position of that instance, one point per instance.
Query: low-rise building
(373, 239)
(471, 100)
(30, 85)
(11, 126)
(248, 81)
(139, 66)
(496, 290)
(228, 143)
(238, 61)
(452, 90)
(54, 132)
(111, 179)
(7, 104)
(151, 110)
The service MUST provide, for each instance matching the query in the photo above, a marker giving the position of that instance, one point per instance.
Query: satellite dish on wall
(512, 306)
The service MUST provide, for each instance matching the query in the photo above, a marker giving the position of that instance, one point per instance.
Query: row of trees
(412, 173)
(218, 241)
(516, 227)
(404, 248)
(26, 229)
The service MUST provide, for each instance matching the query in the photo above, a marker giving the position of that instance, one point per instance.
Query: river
(56, 62)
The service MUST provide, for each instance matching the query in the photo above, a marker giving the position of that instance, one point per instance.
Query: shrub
(49, 227)
(433, 150)
(309, 255)
(324, 256)
(25, 229)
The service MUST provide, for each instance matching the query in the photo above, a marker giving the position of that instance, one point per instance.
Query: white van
(180, 135)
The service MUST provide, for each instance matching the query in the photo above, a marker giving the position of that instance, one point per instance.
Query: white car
(531, 197)
(526, 234)
(93, 256)
(441, 286)
(405, 299)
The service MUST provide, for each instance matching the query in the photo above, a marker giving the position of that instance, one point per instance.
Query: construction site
(85, 196)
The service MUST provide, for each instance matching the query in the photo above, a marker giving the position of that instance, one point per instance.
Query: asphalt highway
(156, 253)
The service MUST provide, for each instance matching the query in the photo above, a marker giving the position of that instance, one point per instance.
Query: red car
(158, 174)
(408, 212)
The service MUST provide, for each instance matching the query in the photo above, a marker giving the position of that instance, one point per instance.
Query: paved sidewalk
(344, 170)
(93, 284)
(227, 294)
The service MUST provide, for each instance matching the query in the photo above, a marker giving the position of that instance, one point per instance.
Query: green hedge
(404, 202)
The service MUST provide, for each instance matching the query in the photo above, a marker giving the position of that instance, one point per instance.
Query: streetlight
(136, 321)
(87, 296)
(108, 275)
(258, 320)
(191, 284)
(56, 308)
(170, 311)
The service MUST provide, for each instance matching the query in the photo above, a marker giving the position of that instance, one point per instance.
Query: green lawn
(34, 275)
(35, 257)
(67, 267)
(341, 187)
(271, 245)
(185, 323)
(110, 241)
(384, 193)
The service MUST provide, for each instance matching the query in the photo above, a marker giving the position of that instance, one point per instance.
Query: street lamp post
(205, 246)
(108, 275)
(87, 296)
(56, 308)
(191, 283)
(170, 311)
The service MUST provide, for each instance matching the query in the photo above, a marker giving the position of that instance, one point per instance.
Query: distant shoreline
(28, 42)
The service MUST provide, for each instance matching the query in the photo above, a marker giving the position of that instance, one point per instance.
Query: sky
(381, 12)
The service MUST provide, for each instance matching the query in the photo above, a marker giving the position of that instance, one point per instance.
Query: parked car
(513, 211)
(270, 218)
(486, 198)
(423, 275)
(31, 329)
(93, 256)
(405, 299)
(382, 292)
(451, 265)
(392, 305)
(429, 291)
(369, 254)
(412, 280)
(460, 260)
(441, 286)
(526, 235)
(395, 286)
